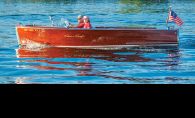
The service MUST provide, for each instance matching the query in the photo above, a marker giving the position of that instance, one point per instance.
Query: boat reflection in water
(119, 64)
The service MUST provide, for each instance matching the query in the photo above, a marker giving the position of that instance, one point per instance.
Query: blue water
(142, 65)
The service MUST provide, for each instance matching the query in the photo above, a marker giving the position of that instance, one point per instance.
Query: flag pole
(168, 15)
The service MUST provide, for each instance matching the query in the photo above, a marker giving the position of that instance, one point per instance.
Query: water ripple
(51, 65)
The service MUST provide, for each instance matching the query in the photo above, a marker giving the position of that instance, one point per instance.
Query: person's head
(86, 19)
(80, 19)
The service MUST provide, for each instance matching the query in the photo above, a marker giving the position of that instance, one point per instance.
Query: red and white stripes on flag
(173, 17)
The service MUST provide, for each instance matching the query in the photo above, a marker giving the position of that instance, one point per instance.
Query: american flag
(175, 18)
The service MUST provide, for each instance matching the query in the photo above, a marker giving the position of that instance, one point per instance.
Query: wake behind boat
(97, 37)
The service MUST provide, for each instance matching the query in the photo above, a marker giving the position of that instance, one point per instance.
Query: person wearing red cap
(81, 22)
(87, 22)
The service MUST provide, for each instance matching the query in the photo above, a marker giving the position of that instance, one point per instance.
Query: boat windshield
(63, 23)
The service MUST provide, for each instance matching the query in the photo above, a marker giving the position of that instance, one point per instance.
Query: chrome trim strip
(153, 43)
(119, 46)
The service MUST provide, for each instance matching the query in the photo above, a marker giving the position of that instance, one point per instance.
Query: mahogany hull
(98, 37)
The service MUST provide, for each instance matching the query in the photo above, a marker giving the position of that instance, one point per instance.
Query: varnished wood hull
(98, 37)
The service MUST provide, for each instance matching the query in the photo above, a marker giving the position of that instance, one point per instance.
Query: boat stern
(177, 32)
(177, 35)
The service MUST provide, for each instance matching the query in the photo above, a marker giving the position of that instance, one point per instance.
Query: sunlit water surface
(52, 65)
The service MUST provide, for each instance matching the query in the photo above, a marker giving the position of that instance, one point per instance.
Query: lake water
(52, 65)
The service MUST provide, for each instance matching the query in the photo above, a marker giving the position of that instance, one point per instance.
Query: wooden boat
(98, 37)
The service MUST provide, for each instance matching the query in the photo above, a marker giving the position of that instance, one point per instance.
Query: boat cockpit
(64, 23)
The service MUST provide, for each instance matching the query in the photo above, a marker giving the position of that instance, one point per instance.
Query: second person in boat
(87, 22)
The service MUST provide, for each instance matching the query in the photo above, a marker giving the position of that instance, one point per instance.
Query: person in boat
(87, 22)
(81, 22)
